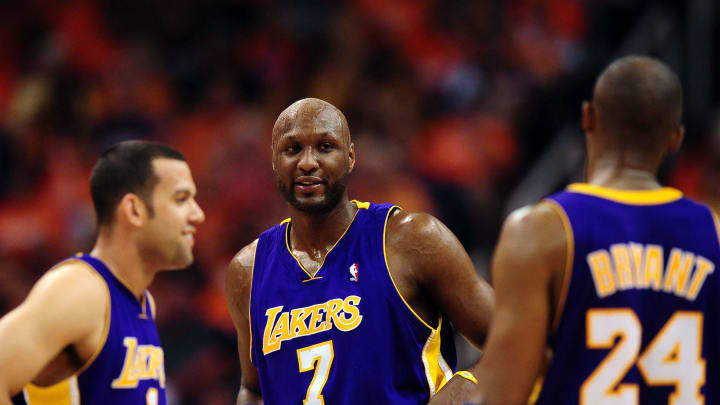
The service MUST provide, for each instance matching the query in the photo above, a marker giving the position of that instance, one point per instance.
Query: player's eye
(181, 198)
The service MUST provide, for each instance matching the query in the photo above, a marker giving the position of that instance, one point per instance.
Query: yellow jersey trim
(717, 223)
(466, 375)
(66, 392)
(633, 197)
(437, 371)
(252, 272)
(287, 244)
(106, 326)
(362, 205)
(151, 300)
(537, 388)
(387, 217)
(143, 306)
(569, 261)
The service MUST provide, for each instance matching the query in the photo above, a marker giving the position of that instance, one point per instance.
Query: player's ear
(589, 117)
(676, 139)
(351, 156)
(133, 209)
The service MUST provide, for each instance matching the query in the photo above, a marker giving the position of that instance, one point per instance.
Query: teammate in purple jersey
(346, 302)
(615, 277)
(86, 334)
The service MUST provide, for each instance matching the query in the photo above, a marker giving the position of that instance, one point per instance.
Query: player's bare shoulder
(533, 238)
(81, 286)
(239, 278)
(539, 228)
(71, 301)
(416, 232)
(421, 248)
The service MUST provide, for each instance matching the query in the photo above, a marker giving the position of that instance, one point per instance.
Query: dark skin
(312, 152)
(531, 259)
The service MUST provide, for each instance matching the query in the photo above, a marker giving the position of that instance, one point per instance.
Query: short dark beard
(333, 195)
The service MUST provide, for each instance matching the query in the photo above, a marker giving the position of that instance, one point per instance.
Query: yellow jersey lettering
(633, 265)
(270, 344)
(623, 267)
(653, 267)
(354, 318)
(334, 306)
(298, 327)
(142, 371)
(637, 257)
(280, 326)
(703, 269)
(126, 378)
(677, 271)
(142, 362)
(316, 319)
(281, 331)
(602, 273)
(156, 369)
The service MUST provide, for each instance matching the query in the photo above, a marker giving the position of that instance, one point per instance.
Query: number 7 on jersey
(318, 357)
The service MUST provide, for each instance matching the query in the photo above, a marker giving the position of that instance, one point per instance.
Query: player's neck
(622, 175)
(124, 261)
(320, 231)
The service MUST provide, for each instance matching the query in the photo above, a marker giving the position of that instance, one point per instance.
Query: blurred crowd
(449, 102)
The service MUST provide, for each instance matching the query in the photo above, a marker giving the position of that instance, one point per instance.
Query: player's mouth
(308, 184)
(189, 236)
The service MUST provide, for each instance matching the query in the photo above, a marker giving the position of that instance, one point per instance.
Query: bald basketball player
(347, 302)
(615, 277)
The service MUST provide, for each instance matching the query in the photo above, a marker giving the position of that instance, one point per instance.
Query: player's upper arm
(238, 284)
(443, 268)
(67, 306)
(529, 258)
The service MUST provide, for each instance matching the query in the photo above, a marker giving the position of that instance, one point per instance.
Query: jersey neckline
(287, 222)
(656, 196)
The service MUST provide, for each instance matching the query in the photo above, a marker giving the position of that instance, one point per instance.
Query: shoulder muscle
(239, 280)
(532, 247)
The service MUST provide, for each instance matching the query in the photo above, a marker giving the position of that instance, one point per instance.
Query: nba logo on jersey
(354, 272)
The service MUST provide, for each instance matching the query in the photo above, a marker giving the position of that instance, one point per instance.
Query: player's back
(638, 318)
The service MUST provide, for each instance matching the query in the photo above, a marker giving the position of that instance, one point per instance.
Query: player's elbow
(249, 396)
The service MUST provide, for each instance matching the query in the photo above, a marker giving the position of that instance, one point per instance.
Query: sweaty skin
(311, 142)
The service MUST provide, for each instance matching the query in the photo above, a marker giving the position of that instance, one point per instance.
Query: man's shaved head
(311, 113)
(639, 102)
(312, 155)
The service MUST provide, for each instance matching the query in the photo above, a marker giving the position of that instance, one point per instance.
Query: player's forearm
(456, 392)
(246, 397)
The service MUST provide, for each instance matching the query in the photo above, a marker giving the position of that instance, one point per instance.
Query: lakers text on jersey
(344, 335)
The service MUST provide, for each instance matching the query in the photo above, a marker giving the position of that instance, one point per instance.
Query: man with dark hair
(347, 302)
(86, 332)
(615, 277)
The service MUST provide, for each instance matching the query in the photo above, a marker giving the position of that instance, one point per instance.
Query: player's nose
(197, 215)
(308, 161)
